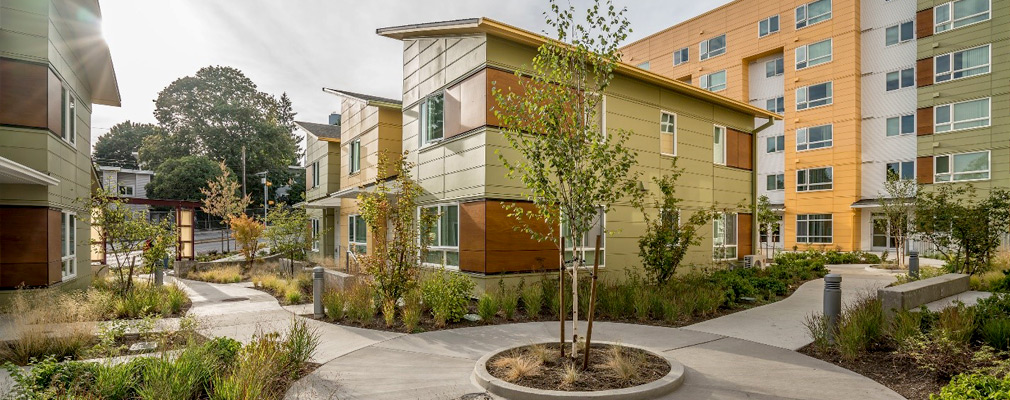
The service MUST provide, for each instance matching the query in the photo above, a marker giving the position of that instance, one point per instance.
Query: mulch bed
(888, 368)
(597, 377)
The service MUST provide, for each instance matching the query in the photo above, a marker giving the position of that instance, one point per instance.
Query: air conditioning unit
(753, 261)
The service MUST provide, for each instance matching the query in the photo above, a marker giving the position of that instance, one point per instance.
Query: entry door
(882, 237)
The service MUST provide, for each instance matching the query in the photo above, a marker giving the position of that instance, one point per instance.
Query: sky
(300, 46)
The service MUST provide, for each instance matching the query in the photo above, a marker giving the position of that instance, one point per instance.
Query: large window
(668, 134)
(814, 137)
(355, 158)
(357, 234)
(774, 68)
(68, 227)
(724, 245)
(776, 105)
(812, 13)
(715, 81)
(681, 56)
(768, 26)
(813, 228)
(959, 13)
(432, 120)
(903, 170)
(900, 79)
(813, 179)
(813, 54)
(719, 145)
(712, 47)
(315, 234)
(961, 167)
(586, 248)
(776, 182)
(963, 115)
(899, 33)
(776, 143)
(443, 235)
(813, 96)
(901, 125)
(962, 64)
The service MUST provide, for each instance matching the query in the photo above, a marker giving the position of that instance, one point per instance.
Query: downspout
(756, 233)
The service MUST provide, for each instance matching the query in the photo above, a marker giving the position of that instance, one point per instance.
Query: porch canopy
(18, 174)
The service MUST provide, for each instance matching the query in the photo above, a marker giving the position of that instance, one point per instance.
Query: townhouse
(54, 67)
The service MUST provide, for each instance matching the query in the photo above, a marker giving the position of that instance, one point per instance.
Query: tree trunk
(561, 297)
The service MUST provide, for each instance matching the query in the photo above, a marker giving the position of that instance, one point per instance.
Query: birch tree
(897, 204)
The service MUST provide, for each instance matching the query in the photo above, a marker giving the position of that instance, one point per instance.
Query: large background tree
(182, 178)
(214, 114)
(117, 146)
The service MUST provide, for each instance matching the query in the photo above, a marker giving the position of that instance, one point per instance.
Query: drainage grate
(234, 299)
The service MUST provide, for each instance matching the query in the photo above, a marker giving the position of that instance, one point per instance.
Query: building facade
(54, 67)
(847, 77)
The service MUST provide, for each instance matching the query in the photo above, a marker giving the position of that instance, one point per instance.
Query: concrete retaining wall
(914, 294)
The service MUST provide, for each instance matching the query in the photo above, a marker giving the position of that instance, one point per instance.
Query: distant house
(54, 66)
(127, 183)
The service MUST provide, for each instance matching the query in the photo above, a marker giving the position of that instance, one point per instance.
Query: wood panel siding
(27, 246)
(739, 149)
(924, 170)
(504, 81)
(23, 95)
(924, 23)
(744, 235)
(55, 239)
(489, 244)
(924, 72)
(472, 235)
(466, 105)
(924, 121)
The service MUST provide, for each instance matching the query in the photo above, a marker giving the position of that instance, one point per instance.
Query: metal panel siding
(881, 13)
(141, 185)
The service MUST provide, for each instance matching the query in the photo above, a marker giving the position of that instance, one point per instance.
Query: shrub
(293, 296)
(411, 311)
(974, 386)
(334, 302)
(996, 333)
(181, 378)
(508, 300)
(642, 304)
(859, 326)
(938, 354)
(487, 307)
(299, 344)
(533, 300)
(228, 274)
(956, 323)
(360, 304)
(904, 326)
(389, 312)
(817, 326)
(448, 295)
(549, 288)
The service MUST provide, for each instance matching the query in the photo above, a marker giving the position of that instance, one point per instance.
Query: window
(813, 96)
(963, 115)
(813, 179)
(315, 234)
(900, 79)
(443, 235)
(719, 145)
(904, 170)
(959, 13)
(724, 237)
(680, 56)
(813, 54)
(774, 67)
(768, 26)
(668, 134)
(315, 173)
(586, 250)
(962, 64)
(776, 232)
(70, 129)
(961, 167)
(68, 227)
(355, 157)
(125, 190)
(776, 182)
(813, 228)
(715, 81)
(814, 137)
(899, 33)
(432, 118)
(776, 105)
(903, 125)
(776, 143)
(644, 65)
(812, 13)
(712, 47)
(357, 234)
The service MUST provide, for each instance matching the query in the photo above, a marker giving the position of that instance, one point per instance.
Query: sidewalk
(780, 324)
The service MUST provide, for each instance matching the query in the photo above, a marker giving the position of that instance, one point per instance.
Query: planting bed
(887, 367)
(548, 372)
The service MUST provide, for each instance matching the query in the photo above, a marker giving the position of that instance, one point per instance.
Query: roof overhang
(777, 207)
(874, 203)
(495, 28)
(83, 18)
(325, 202)
(370, 102)
(18, 174)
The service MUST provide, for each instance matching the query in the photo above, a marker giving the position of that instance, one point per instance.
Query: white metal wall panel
(141, 189)
(880, 13)
(763, 88)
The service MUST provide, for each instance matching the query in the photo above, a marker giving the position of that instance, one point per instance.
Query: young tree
(127, 234)
(964, 228)
(668, 237)
(571, 166)
(288, 232)
(221, 197)
(766, 220)
(247, 232)
(897, 204)
(394, 261)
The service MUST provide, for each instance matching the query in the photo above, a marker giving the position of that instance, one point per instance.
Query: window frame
(807, 143)
(901, 125)
(805, 187)
(706, 80)
(68, 251)
(830, 99)
(315, 174)
(950, 16)
(778, 67)
(808, 219)
(424, 134)
(708, 53)
(588, 246)
(645, 65)
(778, 180)
(722, 247)
(716, 128)
(806, 16)
(779, 104)
(950, 65)
(775, 144)
(662, 132)
(899, 27)
(807, 61)
(767, 21)
(128, 192)
(952, 173)
(353, 243)
(901, 167)
(354, 161)
(315, 234)
(686, 58)
(901, 79)
(438, 247)
(950, 116)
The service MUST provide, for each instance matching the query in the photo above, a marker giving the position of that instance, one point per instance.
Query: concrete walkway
(780, 324)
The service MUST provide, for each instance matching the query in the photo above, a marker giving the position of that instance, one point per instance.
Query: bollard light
(913, 264)
(832, 303)
(317, 292)
(159, 273)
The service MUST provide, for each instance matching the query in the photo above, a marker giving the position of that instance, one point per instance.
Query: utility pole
(243, 171)
(266, 196)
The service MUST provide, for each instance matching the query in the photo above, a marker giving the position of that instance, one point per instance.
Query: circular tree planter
(656, 388)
